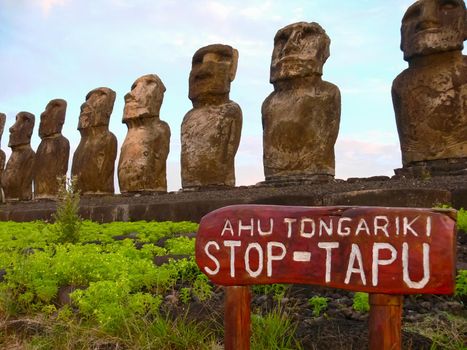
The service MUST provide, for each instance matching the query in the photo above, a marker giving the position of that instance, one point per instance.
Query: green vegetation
(446, 331)
(67, 220)
(318, 304)
(277, 291)
(116, 293)
(462, 220)
(360, 302)
(273, 331)
(114, 288)
(116, 284)
(461, 283)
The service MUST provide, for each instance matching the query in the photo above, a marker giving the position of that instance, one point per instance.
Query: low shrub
(318, 304)
(360, 302)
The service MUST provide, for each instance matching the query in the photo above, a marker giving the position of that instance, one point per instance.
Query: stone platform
(192, 205)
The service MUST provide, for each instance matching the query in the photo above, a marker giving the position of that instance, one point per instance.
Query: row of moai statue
(300, 117)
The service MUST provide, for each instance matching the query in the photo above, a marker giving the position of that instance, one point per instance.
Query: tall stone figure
(17, 177)
(51, 161)
(2, 154)
(94, 159)
(210, 132)
(430, 96)
(301, 117)
(142, 164)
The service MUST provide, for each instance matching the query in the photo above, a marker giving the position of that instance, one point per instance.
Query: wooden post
(237, 319)
(385, 322)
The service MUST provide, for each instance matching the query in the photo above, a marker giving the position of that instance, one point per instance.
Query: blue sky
(65, 48)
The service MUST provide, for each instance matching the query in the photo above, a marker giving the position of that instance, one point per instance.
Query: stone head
(433, 26)
(213, 69)
(300, 50)
(2, 124)
(52, 118)
(21, 131)
(145, 98)
(97, 108)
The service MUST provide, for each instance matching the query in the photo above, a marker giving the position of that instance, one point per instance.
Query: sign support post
(237, 318)
(385, 321)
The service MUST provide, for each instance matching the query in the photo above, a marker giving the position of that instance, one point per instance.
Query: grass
(446, 331)
(162, 333)
(273, 331)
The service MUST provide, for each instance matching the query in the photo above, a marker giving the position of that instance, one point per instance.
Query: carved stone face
(300, 50)
(431, 26)
(2, 124)
(145, 98)
(52, 118)
(97, 109)
(213, 69)
(21, 131)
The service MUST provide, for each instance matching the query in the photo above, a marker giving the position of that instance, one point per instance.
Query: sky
(65, 48)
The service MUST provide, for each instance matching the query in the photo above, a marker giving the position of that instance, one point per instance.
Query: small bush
(67, 219)
(318, 304)
(462, 220)
(185, 295)
(201, 288)
(461, 283)
(360, 302)
(276, 290)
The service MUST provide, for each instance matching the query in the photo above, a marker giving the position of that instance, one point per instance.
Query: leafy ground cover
(136, 286)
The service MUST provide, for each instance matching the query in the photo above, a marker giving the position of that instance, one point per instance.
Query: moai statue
(430, 96)
(301, 117)
(210, 132)
(17, 177)
(2, 154)
(94, 159)
(51, 162)
(142, 164)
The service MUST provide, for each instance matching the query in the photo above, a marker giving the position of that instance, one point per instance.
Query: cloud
(47, 5)
(360, 157)
(219, 10)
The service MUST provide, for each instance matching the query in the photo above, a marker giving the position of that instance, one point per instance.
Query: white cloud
(259, 12)
(219, 10)
(365, 157)
(47, 5)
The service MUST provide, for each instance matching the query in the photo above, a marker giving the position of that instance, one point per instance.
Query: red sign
(371, 249)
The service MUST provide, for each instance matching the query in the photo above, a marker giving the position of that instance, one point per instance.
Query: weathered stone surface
(94, 159)
(210, 132)
(430, 96)
(143, 157)
(459, 198)
(301, 117)
(51, 161)
(408, 197)
(2, 154)
(193, 205)
(17, 177)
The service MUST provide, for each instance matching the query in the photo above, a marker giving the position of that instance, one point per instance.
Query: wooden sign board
(370, 249)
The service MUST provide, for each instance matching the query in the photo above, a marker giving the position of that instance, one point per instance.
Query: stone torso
(210, 137)
(51, 163)
(2, 164)
(17, 177)
(142, 164)
(430, 102)
(94, 162)
(300, 127)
